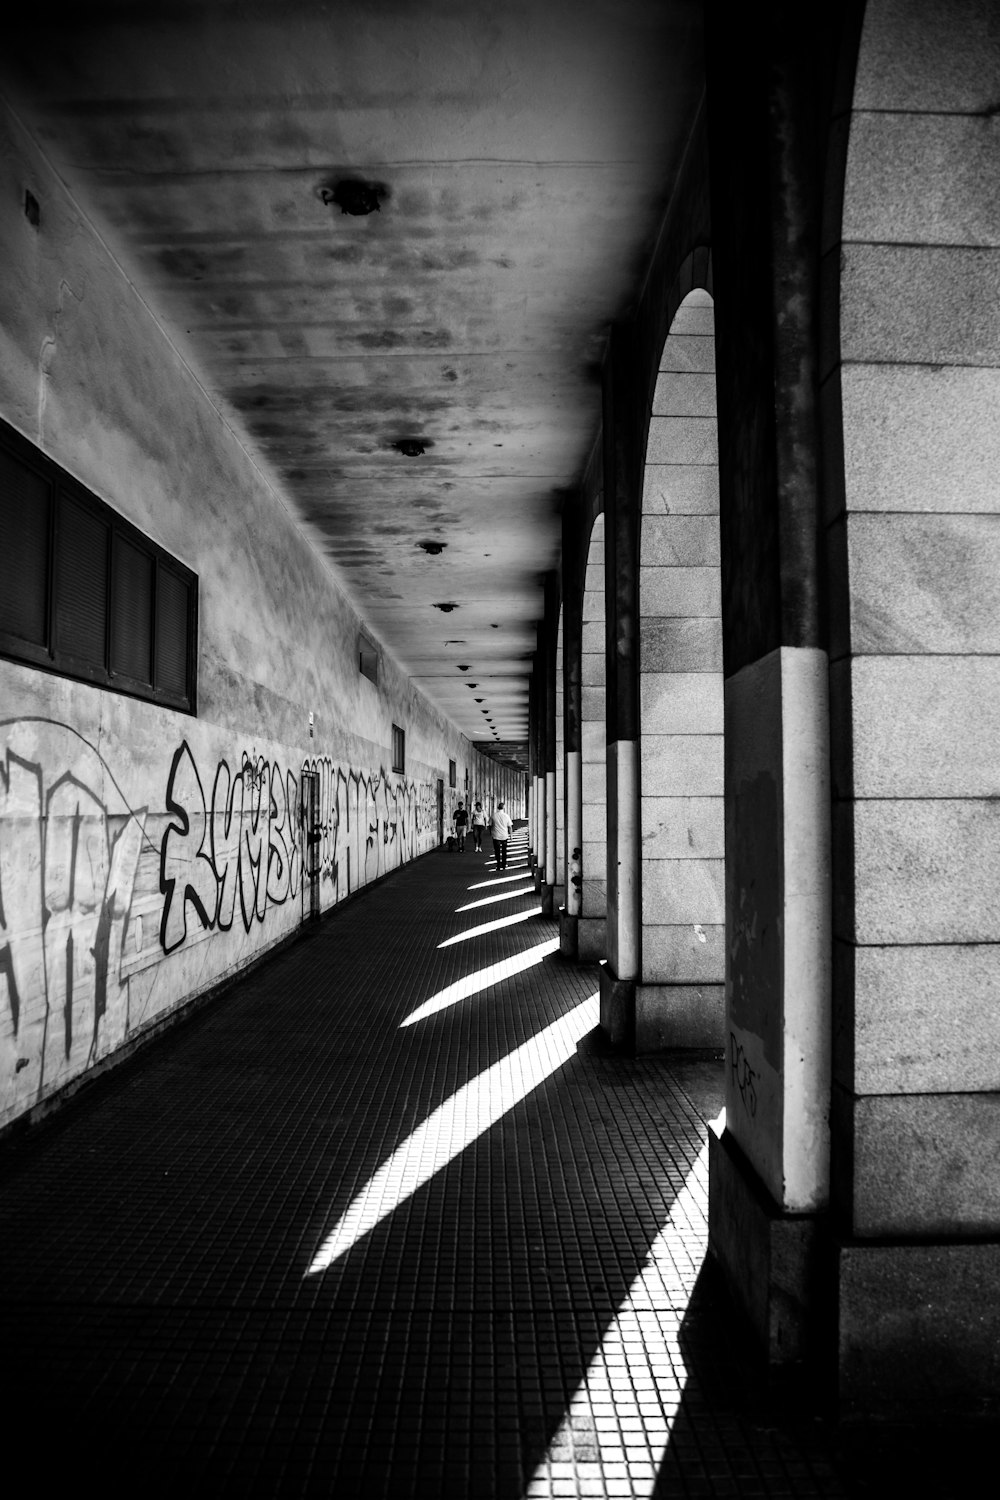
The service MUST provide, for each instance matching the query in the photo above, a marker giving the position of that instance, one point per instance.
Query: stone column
(572, 678)
(622, 481)
(548, 831)
(769, 1173)
(559, 894)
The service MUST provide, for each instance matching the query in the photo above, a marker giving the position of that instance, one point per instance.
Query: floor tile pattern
(518, 1306)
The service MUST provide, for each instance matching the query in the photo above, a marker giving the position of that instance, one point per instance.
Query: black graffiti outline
(182, 828)
(266, 803)
(744, 1076)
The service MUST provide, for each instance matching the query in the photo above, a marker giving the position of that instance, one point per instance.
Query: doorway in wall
(440, 809)
(310, 844)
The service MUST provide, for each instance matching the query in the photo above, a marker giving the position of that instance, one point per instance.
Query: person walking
(461, 818)
(500, 829)
(478, 825)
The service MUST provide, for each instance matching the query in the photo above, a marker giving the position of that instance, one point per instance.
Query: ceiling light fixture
(446, 608)
(353, 195)
(410, 447)
(433, 547)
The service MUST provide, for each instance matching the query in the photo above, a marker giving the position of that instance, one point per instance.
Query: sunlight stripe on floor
(528, 890)
(481, 980)
(618, 1424)
(487, 885)
(471, 932)
(455, 1124)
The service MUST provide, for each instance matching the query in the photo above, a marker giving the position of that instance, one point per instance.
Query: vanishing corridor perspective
(426, 424)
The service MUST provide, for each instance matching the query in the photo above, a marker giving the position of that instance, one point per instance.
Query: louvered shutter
(81, 584)
(172, 614)
(132, 612)
(25, 507)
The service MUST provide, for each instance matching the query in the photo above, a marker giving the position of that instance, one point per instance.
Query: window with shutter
(172, 615)
(132, 613)
(82, 592)
(25, 520)
(81, 587)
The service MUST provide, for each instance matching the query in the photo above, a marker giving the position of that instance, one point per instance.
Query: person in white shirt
(500, 829)
(478, 824)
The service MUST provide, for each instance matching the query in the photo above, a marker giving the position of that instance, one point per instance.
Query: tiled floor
(386, 1220)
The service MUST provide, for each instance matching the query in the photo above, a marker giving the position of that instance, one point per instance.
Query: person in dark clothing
(461, 819)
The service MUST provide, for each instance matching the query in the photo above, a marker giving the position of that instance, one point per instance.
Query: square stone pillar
(771, 1177)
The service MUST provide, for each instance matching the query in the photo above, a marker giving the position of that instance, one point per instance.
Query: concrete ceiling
(526, 152)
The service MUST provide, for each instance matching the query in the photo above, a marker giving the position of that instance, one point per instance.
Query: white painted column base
(778, 960)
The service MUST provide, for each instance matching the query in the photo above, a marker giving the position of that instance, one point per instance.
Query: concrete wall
(915, 537)
(146, 854)
(912, 388)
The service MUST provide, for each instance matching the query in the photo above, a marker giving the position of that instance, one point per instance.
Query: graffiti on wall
(743, 1075)
(69, 849)
(368, 823)
(95, 891)
(237, 848)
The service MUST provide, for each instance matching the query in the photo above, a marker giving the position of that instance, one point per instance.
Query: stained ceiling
(522, 157)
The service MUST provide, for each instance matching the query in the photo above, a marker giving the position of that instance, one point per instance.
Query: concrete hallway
(385, 1219)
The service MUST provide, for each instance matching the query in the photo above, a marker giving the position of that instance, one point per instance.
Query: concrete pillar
(559, 793)
(538, 767)
(769, 1173)
(574, 530)
(548, 765)
(535, 850)
(622, 497)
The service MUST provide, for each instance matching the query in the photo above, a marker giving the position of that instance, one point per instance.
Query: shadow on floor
(161, 1330)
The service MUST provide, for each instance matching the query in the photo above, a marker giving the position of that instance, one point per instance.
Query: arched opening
(592, 927)
(679, 1000)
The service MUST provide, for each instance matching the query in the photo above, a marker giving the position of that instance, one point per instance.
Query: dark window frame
(398, 749)
(453, 773)
(58, 657)
(368, 658)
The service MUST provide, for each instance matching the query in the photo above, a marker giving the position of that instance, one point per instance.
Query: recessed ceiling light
(353, 195)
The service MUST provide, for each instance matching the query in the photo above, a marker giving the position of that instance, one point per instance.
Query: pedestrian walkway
(386, 1219)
